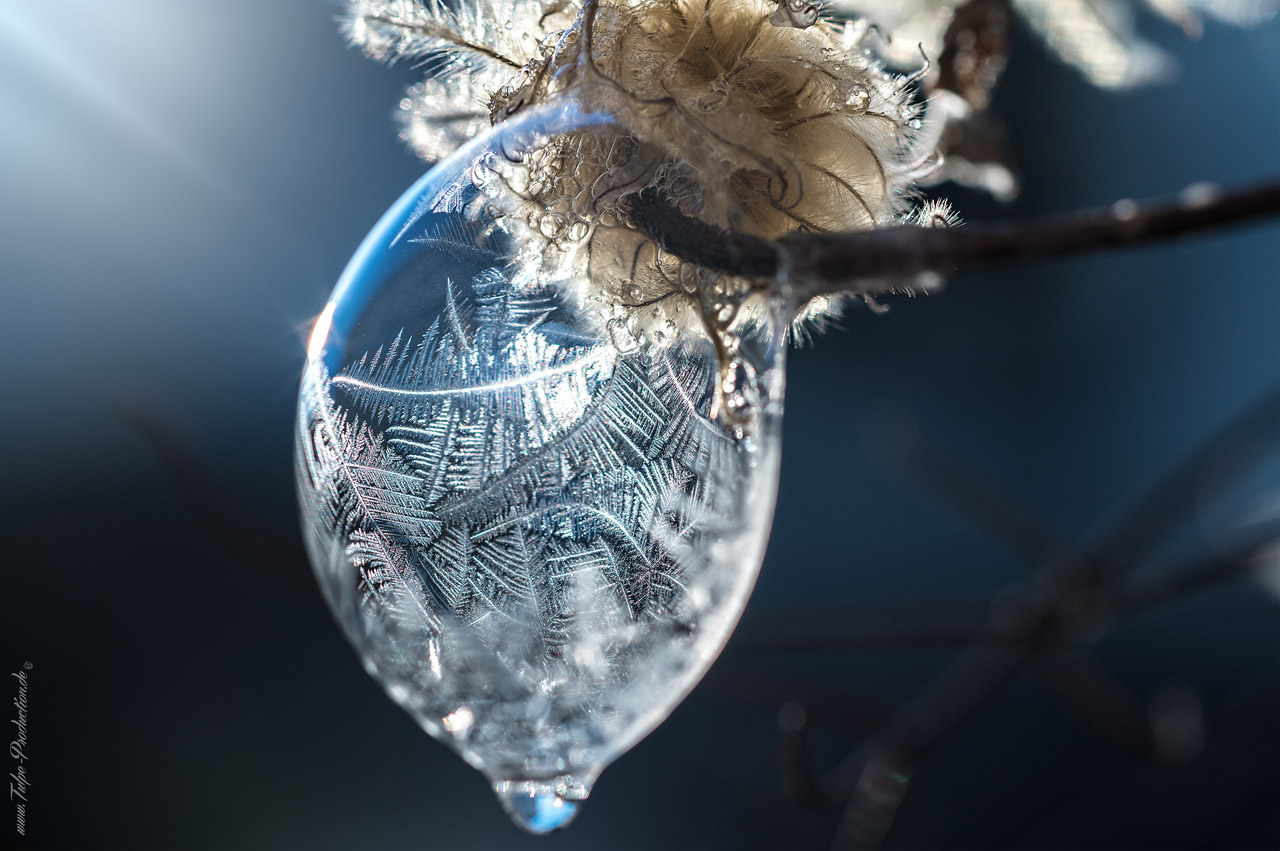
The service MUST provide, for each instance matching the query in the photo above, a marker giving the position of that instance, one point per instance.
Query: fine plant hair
(749, 117)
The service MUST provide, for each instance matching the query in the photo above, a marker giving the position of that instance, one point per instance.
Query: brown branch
(887, 258)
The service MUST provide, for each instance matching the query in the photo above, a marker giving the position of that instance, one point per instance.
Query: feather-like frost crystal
(529, 525)
(537, 453)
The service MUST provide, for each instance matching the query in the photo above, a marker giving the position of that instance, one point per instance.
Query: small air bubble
(663, 334)
(620, 337)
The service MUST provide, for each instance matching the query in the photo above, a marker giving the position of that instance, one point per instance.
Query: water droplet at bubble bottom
(525, 519)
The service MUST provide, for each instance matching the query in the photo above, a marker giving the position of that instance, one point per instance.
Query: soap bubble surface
(524, 514)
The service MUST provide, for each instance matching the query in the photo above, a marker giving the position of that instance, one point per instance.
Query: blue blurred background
(181, 185)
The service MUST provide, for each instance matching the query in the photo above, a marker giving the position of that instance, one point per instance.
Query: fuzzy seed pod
(748, 115)
(734, 120)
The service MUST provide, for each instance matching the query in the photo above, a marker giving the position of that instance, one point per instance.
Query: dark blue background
(180, 186)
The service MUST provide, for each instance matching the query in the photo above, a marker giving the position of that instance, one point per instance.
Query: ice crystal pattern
(537, 540)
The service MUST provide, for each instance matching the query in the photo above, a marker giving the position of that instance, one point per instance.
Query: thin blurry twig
(1043, 627)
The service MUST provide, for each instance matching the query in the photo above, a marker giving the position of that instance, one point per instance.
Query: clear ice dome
(522, 511)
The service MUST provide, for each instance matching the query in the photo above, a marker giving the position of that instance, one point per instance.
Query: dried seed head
(748, 115)
(732, 119)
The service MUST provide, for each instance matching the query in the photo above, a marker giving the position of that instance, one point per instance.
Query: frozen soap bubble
(514, 491)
